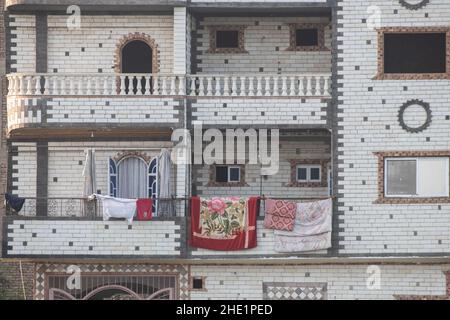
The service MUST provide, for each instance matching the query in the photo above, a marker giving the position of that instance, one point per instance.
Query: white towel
(118, 208)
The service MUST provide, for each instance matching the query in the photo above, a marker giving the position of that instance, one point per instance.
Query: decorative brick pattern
(43, 270)
(420, 76)
(418, 129)
(241, 39)
(405, 154)
(294, 291)
(413, 4)
(293, 27)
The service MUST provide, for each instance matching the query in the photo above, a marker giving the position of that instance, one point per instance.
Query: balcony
(70, 231)
(156, 85)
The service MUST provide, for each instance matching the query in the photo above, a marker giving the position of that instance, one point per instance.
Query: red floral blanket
(224, 224)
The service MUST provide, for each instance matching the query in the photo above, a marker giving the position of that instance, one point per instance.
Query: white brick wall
(260, 111)
(261, 42)
(107, 30)
(343, 281)
(115, 110)
(23, 43)
(54, 238)
(381, 234)
(274, 186)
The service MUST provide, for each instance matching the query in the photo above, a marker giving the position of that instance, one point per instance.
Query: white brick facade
(380, 228)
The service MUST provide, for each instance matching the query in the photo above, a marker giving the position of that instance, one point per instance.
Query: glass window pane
(221, 174)
(302, 174)
(315, 174)
(401, 177)
(307, 37)
(235, 174)
(227, 39)
(433, 177)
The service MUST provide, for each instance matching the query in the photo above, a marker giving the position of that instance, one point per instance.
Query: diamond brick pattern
(294, 291)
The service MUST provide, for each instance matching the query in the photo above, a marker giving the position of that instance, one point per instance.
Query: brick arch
(133, 37)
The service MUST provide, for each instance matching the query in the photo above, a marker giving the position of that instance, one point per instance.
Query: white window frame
(417, 160)
(229, 174)
(308, 168)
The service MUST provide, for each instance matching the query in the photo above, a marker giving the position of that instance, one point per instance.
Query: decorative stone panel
(294, 291)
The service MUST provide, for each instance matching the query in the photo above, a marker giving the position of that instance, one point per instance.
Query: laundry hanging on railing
(312, 229)
(14, 202)
(117, 208)
(144, 208)
(224, 224)
(280, 215)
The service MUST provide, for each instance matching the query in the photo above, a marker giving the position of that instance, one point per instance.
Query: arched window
(137, 57)
(132, 178)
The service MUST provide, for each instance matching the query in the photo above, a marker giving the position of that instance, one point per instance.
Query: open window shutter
(112, 178)
(153, 182)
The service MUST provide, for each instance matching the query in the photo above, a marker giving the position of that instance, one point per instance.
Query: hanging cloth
(14, 202)
(224, 224)
(144, 209)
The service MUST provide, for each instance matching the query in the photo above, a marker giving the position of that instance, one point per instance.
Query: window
(413, 53)
(227, 39)
(309, 173)
(417, 177)
(227, 174)
(137, 57)
(307, 37)
(198, 283)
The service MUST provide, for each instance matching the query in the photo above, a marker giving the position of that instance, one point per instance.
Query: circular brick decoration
(415, 116)
(414, 4)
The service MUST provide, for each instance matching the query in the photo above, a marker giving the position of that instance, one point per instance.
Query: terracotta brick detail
(212, 39)
(212, 178)
(411, 76)
(405, 154)
(137, 154)
(324, 174)
(293, 38)
(132, 37)
(423, 298)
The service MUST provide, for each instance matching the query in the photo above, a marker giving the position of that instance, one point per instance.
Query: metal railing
(59, 207)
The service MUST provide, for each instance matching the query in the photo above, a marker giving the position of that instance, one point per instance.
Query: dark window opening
(235, 174)
(197, 283)
(137, 57)
(415, 53)
(306, 37)
(221, 174)
(227, 39)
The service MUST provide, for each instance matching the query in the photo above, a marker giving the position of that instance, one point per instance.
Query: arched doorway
(137, 57)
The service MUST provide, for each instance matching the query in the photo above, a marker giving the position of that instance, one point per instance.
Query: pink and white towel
(312, 229)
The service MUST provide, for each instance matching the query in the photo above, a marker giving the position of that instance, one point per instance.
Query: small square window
(307, 37)
(197, 283)
(221, 174)
(234, 174)
(227, 39)
(225, 174)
